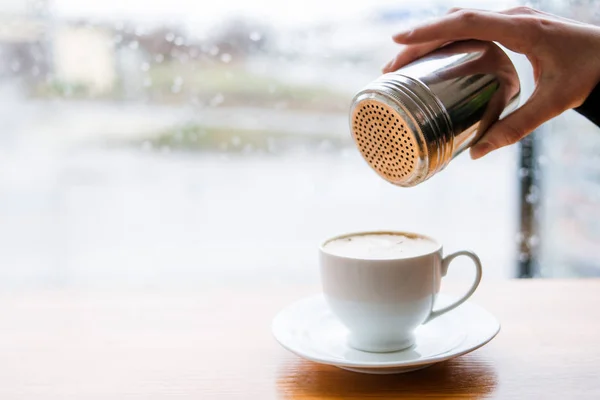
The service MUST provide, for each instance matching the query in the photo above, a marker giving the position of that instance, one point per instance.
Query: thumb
(541, 107)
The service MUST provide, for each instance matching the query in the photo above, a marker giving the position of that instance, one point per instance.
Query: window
(183, 143)
(567, 242)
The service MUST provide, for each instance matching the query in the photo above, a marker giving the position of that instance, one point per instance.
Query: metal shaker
(409, 124)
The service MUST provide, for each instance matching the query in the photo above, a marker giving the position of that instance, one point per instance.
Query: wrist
(591, 106)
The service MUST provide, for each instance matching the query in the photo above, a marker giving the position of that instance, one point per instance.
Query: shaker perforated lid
(385, 140)
(396, 128)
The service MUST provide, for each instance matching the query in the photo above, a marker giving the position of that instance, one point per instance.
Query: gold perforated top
(385, 140)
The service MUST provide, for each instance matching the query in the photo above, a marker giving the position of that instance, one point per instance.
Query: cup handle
(445, 264)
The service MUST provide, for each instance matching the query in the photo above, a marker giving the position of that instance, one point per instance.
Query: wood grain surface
(217, 345)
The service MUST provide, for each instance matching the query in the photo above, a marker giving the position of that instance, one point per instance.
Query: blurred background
(185, 144)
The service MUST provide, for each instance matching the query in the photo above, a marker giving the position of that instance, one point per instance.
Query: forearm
(591, 107)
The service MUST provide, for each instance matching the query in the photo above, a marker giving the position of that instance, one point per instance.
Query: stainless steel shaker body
(410, 124)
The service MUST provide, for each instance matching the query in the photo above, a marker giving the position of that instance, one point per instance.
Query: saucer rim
(460, 350)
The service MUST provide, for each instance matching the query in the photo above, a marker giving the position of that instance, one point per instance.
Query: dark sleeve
(591, 107)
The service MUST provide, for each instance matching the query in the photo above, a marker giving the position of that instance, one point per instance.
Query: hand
(565, 56)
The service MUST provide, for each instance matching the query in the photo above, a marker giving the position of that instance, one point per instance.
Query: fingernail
(385, 66)
(480, 150)
(402, 35)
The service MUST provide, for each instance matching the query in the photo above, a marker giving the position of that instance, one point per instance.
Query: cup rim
(380, 232)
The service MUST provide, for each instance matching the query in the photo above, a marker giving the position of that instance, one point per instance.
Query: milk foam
(380, 246)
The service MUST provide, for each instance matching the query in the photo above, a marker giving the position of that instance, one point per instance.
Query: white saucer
(309, 329)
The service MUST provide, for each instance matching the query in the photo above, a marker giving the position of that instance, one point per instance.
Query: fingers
(498, 103)
(493, 111)
(540, 108)
(515, 28)
(469, 24)
(523, 10)
(409, 54)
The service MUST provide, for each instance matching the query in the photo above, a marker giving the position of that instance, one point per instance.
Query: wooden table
(217, 345)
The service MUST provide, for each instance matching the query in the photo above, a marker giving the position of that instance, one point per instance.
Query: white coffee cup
(382, 301)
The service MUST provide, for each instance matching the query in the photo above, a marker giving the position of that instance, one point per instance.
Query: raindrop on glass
(523, 172)
(226, 57)
(533, 196)
(533, 241)
(183, 58)
(218, 99)
(255, 36)
(194, 100)
(169, 37)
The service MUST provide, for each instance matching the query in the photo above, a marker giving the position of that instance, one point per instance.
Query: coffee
(382, 285)
(380, 246)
